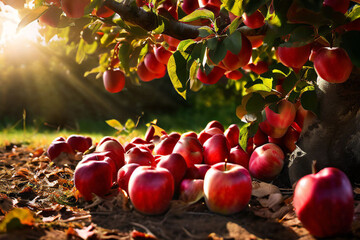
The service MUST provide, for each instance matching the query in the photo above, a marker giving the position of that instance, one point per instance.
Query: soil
(29, 180)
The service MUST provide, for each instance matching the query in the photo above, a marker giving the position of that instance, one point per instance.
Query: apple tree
(270, 52)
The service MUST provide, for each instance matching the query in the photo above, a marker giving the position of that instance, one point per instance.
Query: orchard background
(111, 67)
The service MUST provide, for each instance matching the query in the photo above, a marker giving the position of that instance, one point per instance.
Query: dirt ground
(28, 180)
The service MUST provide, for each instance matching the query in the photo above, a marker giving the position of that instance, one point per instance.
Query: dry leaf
(262, 189)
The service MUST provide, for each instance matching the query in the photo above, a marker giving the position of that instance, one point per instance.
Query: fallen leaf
(17, 218)
(262, 189)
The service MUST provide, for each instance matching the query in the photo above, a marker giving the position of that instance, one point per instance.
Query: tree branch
(149, 20)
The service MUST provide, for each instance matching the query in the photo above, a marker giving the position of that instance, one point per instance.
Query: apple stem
(225, 164)
(313, 167)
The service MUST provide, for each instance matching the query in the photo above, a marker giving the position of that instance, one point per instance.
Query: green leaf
(300, 36)
(177, 72)
(205, 31)
(309, 101)
(289, 82)
(218, 53)
(124, 56)
(80, 54)
(160, 29)
(185, 44)
(244, 133)
(233, 42)
(234, 24)
(250, 6)
(350, 42)
(16, 218)
(91, 48)
(255, 104)
(129, 125)
(234, 6)
(115, 124)
(212, 43)
(199, 14)
(31, 16)
(354, 13)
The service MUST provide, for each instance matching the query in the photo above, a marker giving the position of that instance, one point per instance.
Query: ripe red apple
(176, 165)
(153, 65)
(207, 133)
(149, 135)
(266, 162)
(191, 190)
(189, 6)
(189, 134)
(284, 117)
(227, 188)
(271, 131)
(256, 40)
(239, 156)
(234, 75)
(161, 54)
(140, 156)
(166, 146)
(108, 157)
(333, 64)
(197, 171)
(213, 77)
(79, 143)
(260, 138)
(151, 189)
(114, 146)
(145, 75)
(114, 80)
(103, 12)
(233, 62)
(173, 42)
(215, 123)
(216, 149)
(142, 143)
(259, 68)
(93, 177)
(51, 17)
(255, 20)
(123, 175)
(290, 138)
(74, 8)
(324, 202)
(57, 147)
(191, 150)
(294, 57)
(232, 134)
(338, 5)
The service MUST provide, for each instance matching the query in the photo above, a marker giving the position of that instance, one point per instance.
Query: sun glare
(9, 20)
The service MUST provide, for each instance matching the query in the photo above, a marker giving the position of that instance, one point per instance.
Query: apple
(294, 57)
(151, 189)
(79, 143)
(197, 171)
(271, 131)
(338, 5)
(103, 12)
(123, 175)
(176, 165)
(149, 135)
(153, 65)
(161, 54)
(256, 40)
(114, 146)
(145, 75)
(140, 156)
(114, 80)
(74, 8)
(234, 75)
(189, 6)
(191, 150)
(168, 9)
(93, 177)
(227, 188)
(324, 202)
(215, 123)
(216, 149)
(290, 138)
(173, 42)
(108, 157)
(259, 68)
(177, 135)
(232, 134)
(207, 133)
(166, 145)
(239, 156)
(51, 17)
(191, 190)
(260, 138)
(333, 64)
(266, 162)
(189, 134)
(233, 62)
(255, 20)
(284, 117)
(139, 142)
(58, 147)
(211, 78)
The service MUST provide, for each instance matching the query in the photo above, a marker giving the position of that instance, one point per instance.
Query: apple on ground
(266, 162)
(227, 188)
(189, 134)
(232, 134)
(216, 124)
(216, 149)
(176, 165)
(166, 145)
(102, 156)
(191, 190)
(324, 202)
(112, 145)
(151, 189)
(140, 156)
(79, 143)
(239, 156)
(207, 133)
(197, 171)
(57, 147)
(191, 150)
(123, 175)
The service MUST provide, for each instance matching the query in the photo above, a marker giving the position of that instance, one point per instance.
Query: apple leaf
(255, 103)
(115, 124)
(16, 218)
(198, 14)
(130, 125)
(244, 133)
(205, 31)
(176, 66)
(31, 16)
(251, 6)
(354, 13)
(233, 6)
(80, 53)
(218, 54)
(233, 42)
(350, 42)
(184, 45)
(309, 101)
(124, 56)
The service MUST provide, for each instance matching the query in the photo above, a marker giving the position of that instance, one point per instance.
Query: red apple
(266, 162)
(191, 190)
(260, 138)
(123, 175)
(239, 156)
(189, 134)
(294, 57)
(284, 117)
(216, 149)
(227, 188)
(232, 134)
(233, 62)
(74, 8)
(166, 146)
(58, 147)
(197, 171)
(191, 150)
(79, 143)
(173, 42)
(93, 177)
(290, 138)
(151, 189)
(176, 165)
(256, 40)
(213, 77)
(103, 12)
(114, 146)
(189, 6)
(207, 133)
(259, 68)
(234, 75)
(153, 65)
(140, 156)
(255, 20)
(149, 135)
(333, 64)
(162, 55)
(324, 202)
(145, 75)
(114, 80)
(271, 131)
(215, 123)
(338, 5)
